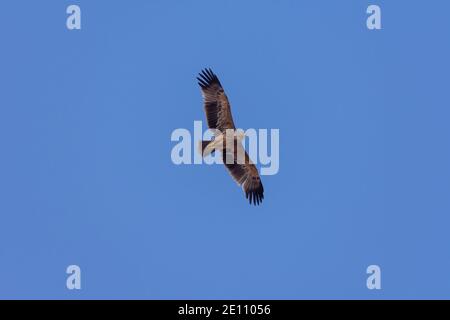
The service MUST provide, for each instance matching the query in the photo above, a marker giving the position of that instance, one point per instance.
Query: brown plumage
(218, 115)
(217, 107)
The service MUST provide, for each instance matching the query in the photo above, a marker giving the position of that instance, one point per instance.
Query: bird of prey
(235, 158)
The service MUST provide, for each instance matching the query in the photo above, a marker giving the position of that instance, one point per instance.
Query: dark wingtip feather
(202, 83)
(206, 78)
(255, 196)
(258, 195)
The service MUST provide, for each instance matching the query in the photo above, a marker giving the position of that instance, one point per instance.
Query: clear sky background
(86, 176)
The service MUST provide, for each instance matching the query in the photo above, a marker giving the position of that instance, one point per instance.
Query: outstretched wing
(217, 107)
(245, 174)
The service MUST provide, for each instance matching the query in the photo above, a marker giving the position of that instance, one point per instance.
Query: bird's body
(222, 141)
(227, 139)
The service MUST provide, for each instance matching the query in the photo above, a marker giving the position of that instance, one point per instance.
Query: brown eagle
(235, 158)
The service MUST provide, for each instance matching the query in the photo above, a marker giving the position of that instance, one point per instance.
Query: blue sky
(86, 176)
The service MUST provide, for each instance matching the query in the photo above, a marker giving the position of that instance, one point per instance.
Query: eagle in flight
(219, 118)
